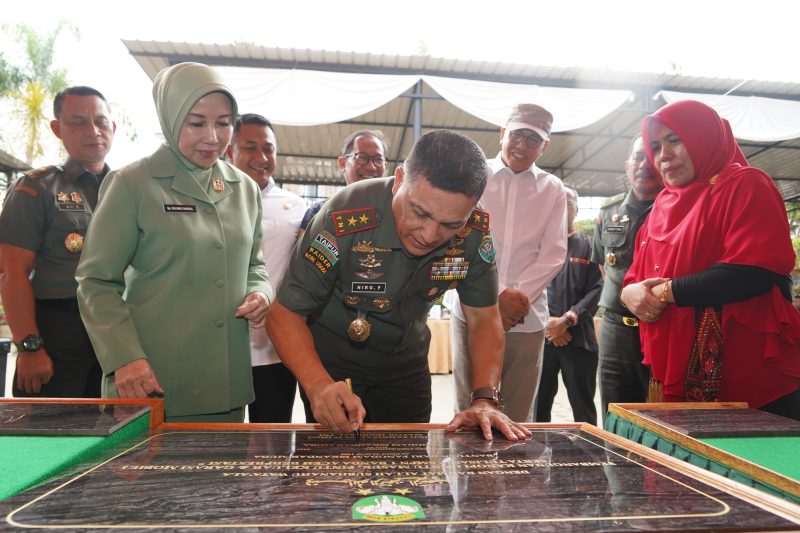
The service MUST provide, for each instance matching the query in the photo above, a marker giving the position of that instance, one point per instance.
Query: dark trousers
(76, 372)
(623, 377)
(393, 387)
(275, 388)
(578, 368)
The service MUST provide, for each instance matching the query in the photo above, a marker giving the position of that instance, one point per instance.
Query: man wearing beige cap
(528, 220)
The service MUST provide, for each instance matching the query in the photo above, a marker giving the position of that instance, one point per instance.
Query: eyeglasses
(362, 159)
(532, 140)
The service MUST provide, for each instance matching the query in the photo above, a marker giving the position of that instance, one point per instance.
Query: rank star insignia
(62, 197)
(479, 220)
(365, 492)
(76, 197)
(463, 233)
(402, 491)
(354, 220)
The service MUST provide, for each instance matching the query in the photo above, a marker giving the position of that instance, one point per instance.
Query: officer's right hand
(514, 306)
(336, 407)
(34, 369)
(136, 380)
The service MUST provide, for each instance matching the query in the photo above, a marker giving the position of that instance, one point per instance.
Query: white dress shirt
(282, 212)
(528, 223)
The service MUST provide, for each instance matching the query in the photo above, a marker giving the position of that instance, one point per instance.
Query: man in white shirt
(253, 150)
(528, 221)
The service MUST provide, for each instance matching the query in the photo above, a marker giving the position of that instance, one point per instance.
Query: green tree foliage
(33, 84)
(585, 226)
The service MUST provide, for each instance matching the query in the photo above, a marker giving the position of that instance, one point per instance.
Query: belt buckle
(630, 321)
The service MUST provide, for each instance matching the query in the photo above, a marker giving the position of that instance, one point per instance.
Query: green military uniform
(350, 267)
(167, 262)
(47, 211)
(623, 378)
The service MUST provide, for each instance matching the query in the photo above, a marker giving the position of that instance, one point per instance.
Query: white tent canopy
(752, 118)
(310, 98)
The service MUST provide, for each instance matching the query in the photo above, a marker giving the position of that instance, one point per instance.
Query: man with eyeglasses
(623, 377)
(528, 211)
(363, 157)
(42, 227)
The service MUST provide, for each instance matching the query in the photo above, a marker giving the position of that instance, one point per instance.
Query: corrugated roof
(590, 159)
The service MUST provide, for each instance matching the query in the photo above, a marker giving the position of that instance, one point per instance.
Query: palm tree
(34, 84)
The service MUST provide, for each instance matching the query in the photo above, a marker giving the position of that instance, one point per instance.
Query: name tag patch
(361, 287)
(615, 229)
(449, 268)
(177, 208)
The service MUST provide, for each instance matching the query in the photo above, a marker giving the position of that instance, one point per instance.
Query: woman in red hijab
(709, 281)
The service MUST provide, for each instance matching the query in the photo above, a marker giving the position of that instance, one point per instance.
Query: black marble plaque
(66, 419)
(708, 423)
(561, 479)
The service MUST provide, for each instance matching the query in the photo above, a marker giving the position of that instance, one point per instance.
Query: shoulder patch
(613, 200)
(479, 220)
(354, 220)
(21, 187)
(37, 173)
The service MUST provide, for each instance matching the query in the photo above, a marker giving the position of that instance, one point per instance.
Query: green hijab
(176, 90)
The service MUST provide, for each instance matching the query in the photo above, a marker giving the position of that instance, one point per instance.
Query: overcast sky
(731, 39)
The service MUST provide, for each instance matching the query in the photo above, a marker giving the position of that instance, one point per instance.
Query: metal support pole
(417, 110)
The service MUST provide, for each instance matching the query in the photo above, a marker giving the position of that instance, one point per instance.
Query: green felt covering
(26, 460)
(631, 431)
(780, 454)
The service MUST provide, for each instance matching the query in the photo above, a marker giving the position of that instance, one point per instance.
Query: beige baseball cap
(531, 117)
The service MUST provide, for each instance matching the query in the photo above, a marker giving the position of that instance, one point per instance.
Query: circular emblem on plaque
(219, 185)
(615, 217)
(359, 330)
(74, 242)
(611, 258)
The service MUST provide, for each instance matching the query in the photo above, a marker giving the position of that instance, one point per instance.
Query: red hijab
(730, 213)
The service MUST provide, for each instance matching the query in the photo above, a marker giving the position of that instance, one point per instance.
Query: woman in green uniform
(172, 269)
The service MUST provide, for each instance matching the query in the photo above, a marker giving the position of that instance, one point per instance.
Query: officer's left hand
(484, 415)
(254, 308)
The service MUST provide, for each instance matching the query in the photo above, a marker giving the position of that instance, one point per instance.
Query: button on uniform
(219, 283)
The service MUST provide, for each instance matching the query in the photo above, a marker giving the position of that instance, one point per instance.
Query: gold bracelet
(665, 292)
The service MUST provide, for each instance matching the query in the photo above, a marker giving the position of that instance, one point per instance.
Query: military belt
(630, 321)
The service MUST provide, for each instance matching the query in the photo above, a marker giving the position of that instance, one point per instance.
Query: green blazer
(166, 263)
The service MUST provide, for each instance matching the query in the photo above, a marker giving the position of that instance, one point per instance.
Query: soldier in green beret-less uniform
(623, 377)
(356, 295)
(173, 272)
(42, 229)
